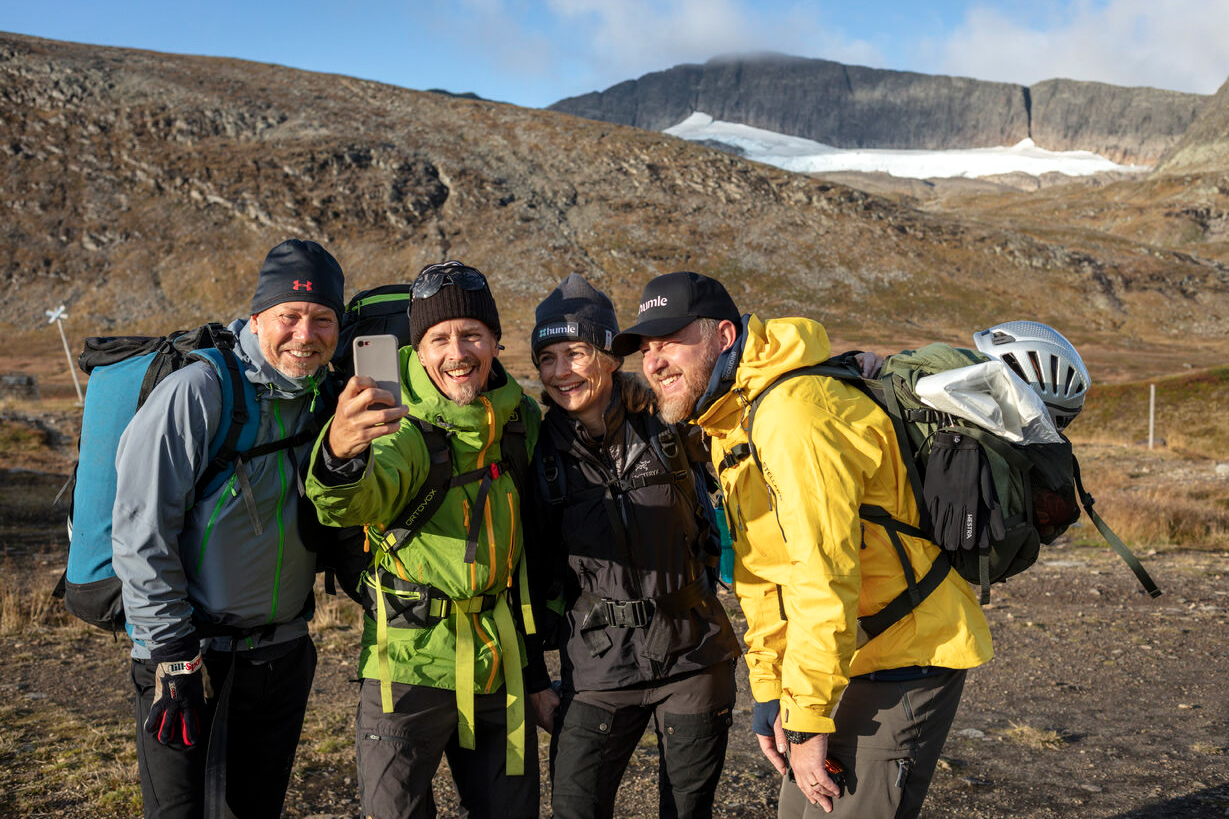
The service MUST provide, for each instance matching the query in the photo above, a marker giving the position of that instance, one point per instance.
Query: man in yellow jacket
(808, 567)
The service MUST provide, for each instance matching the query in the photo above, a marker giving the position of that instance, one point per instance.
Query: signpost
(57, 317)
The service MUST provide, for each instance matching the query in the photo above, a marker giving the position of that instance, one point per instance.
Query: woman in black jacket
(629, 531)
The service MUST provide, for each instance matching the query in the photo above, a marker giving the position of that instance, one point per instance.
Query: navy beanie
(297, 270)
(574, 311)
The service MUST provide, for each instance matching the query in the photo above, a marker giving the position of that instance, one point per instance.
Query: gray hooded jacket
(179, 556)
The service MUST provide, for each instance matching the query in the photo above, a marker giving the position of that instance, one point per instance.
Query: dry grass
(1169, 496)
(1183, 515)
(1039, 739)
(1188, 419)
(334, 612)
(1208, 749)
(26, 605)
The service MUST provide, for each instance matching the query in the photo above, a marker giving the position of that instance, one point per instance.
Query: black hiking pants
(888, 736)
(598, 731)
(267, 701)
(399, 754)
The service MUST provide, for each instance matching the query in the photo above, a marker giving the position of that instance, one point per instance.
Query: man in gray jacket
(217, 590)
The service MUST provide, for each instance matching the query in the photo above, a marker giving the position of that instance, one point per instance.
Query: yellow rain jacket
(807, 567)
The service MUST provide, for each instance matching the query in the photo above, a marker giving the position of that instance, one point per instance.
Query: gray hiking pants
(888, 736)
(399, 753)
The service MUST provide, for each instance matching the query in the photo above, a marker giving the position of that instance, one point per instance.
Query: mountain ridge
(849, 106)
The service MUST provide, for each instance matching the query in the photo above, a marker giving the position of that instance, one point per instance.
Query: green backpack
(989, 503)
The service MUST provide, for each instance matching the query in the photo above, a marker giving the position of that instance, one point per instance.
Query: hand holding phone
(376, 358)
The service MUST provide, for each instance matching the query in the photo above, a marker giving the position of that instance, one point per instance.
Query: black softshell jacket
(661, 554)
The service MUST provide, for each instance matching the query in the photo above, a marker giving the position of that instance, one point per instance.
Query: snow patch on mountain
(807, 156)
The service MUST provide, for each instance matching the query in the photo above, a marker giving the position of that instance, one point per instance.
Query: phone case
(376, 358)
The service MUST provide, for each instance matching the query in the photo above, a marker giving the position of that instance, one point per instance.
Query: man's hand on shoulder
(364, 412)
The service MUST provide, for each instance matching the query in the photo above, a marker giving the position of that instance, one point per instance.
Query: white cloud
(1177, 44)
(625, 39)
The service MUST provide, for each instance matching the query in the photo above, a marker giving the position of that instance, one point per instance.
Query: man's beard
(695, 381)
(465, 393)
(465, 396)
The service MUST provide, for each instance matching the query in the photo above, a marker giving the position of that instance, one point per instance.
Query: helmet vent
(1067, 382)
(1035, 360)
(1010, 360)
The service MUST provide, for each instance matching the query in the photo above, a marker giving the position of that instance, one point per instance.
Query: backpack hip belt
(603, 612)
(465, 625)
(417, 605)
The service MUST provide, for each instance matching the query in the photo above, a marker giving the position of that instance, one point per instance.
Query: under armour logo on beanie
(298, 270)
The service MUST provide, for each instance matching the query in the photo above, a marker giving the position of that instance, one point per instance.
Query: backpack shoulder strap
(514, 447)
(240, 418)
(1128, 557)
(550, 475)
(833, 367)
(430, 495)
(667, 444)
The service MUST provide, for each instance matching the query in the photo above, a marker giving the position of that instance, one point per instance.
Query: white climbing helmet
(1044, 359)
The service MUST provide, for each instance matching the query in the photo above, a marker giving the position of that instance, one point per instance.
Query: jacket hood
(770, 349)
(263, 374)
(502, 396)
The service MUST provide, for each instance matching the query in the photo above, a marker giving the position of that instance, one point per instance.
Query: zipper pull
(315, 388)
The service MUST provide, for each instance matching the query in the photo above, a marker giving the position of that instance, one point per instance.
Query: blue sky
(533, 53)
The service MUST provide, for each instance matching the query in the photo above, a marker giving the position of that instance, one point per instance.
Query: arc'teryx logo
(656, 301)
(298, 285)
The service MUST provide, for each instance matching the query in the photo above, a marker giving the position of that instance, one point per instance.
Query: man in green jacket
(442, 657)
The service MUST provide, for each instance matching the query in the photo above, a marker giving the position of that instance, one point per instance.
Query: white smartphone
(376, 358)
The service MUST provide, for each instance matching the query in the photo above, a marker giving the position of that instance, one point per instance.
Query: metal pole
(1151, 414)
(68, 354)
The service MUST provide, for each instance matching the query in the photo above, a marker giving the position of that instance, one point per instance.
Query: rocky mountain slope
(143, 190)
(851, 106)
(1205, 145)
(1182, 206)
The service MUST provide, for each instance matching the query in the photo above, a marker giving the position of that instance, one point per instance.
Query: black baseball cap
(671, 302)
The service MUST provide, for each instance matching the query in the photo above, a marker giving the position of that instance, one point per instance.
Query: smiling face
(678, 366)
(296, 337)
(576, 377)
(457, 354)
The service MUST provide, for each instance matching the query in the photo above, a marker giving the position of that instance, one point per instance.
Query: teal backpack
(123, 372)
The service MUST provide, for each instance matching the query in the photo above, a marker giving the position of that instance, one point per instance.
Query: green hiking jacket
(396, 466)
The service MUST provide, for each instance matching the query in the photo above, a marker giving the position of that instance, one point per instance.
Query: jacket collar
(770, 349)
(570, 429)
(724, 371)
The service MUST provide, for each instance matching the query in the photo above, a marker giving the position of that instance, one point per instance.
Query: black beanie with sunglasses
(453, 290)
